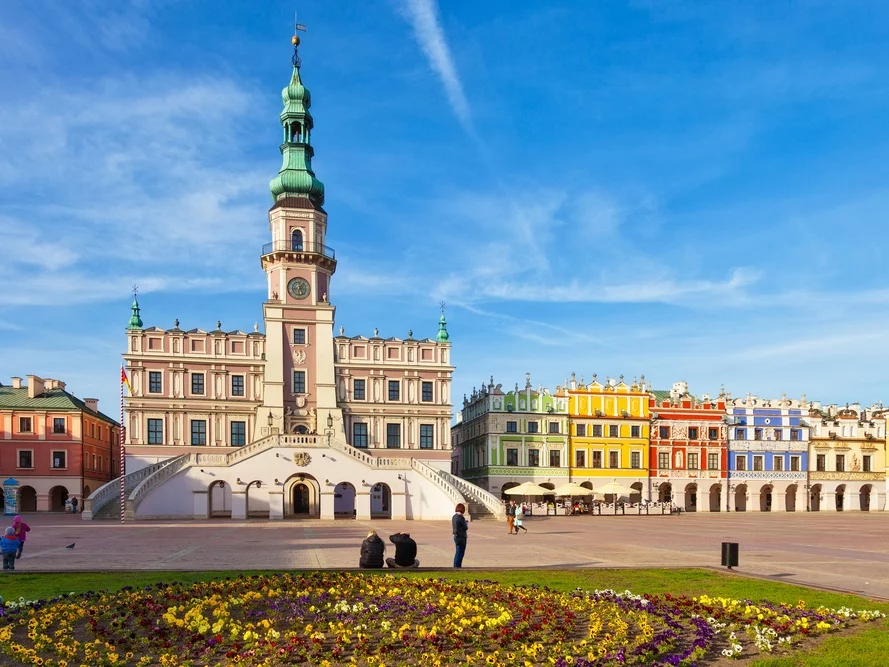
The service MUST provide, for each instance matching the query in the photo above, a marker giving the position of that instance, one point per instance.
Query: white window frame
(18, 459)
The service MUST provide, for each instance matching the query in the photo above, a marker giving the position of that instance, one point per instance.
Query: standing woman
(21, 532)
(460, 526)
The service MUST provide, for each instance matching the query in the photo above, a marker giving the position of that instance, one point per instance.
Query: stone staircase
(480, 503)
(104, 502)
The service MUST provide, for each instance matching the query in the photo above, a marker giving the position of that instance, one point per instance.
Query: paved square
(847, 551)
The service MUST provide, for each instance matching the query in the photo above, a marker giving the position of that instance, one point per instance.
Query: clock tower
(299, 391)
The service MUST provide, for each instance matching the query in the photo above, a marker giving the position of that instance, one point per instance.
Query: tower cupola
(135, 319)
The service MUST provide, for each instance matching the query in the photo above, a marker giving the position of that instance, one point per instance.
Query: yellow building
(609, 430)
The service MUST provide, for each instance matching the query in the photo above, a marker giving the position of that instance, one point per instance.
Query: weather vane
(442, 304)
(297, 27)
(135, 290)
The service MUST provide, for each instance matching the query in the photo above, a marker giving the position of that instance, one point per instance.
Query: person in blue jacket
(9, 545)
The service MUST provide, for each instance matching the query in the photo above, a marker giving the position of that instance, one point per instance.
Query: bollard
(730, 554)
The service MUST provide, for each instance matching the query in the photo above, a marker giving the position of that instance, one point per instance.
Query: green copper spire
(442, 336)
(296, 177)
(135, 320)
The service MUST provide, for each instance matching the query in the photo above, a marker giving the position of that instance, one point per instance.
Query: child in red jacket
(21, 531)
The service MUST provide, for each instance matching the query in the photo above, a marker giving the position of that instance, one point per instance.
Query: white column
(239, 505)
(276, 505)
(362, 505)
(327, 501)
(201, 504)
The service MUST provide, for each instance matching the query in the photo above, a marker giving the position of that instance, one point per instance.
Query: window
(614, 459)
(740, 463)
(779, 434)
(795, 434)
(534, 457)
(713, 461)
(198, 432)
(635, 431)
(358, 390)
(533, 427)
(635, 459)
(394, 390)
(821, 462)
(299, 336)
(692, 432)
(426, 438)
(581, 430)
(512, 457)
(26, 459)
(393, 436)
(757, 462)
(239, 434)
(692, 461)
(92, 430)
(154, 382)
(580, 459)
(757, 434)
(778, 463)
(663, 432)
(427, 392)
(794, 463)
(554, 427)
(512, 427)
(841, 462)
(299, 382)
(359, 435)
(713, 434)
(740, 434)
(197, 383)
(613, 431)
(555, 459)
(58, 425)
(237, 385)
(865, 463)
(597, 430)
(155, 431)
(663, 460)
(597, 460)
(25, 425)
(59, 460)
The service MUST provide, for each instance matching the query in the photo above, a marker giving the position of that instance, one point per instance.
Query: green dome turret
(135, 320)
(442, 336)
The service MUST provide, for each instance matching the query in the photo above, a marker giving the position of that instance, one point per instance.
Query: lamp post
(329, 431)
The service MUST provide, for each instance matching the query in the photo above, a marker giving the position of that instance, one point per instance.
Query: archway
(864, 498)
(815, 498)
(27, 499)
(665, 493)
(841, 497)
(741, 498)
(505, 488)
(636, 495)
(548, 485)
(302, 497)
(586, 485)
(257, 501)
(765, 498)
(380, 501)
(344, 501)
(220, 500)
(296, 240)
(691, 498)
(790, 498)
(715, 498)
(57, 497)
(86, 492)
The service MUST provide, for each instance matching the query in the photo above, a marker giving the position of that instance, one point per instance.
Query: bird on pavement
(71, 546)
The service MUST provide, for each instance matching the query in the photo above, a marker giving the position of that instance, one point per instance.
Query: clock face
(299, 288)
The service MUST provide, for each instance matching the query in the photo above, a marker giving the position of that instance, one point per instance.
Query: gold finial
(295, 40)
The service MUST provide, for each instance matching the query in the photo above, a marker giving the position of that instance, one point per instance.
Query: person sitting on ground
(372, 551)
(405, 551)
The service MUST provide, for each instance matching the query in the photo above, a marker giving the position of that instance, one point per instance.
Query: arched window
(295, 133)
(296, 240)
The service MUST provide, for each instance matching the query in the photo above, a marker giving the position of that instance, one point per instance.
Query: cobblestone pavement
(847, 551)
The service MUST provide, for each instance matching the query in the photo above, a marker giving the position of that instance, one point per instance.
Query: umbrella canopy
(528, 489)
(615, 489)
(572, 489)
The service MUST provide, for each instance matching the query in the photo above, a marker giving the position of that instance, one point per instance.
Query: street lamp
(329, 428)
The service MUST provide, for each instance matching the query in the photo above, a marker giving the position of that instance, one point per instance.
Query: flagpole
(123, 465)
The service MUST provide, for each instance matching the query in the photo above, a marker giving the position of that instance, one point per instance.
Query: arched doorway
(57, 497)
(691, 498)
(380, 501)
(220, 500)
(815, 498)
(586, 485)
(344, 501)
(257, 501)
(505, 488)
(715, 498)
(790, 498)
(765, 498)
(548, 485)
(741, 498)
(302, 495)
(665, 493)
(27, 499)
(841, 497)
(636, 495)
(864, 498)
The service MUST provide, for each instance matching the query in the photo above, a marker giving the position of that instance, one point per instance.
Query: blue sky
(693, 191)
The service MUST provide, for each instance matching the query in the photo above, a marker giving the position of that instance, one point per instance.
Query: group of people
(515, 517)
(373, 549)
(12, 542)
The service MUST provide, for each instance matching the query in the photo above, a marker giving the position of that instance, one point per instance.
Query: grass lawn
(866, 647)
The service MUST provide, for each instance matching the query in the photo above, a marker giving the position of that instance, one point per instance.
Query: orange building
(57, 446)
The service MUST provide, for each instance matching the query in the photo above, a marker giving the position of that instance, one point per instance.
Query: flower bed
(339, 618)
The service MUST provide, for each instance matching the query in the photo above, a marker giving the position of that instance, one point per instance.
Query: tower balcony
(311, 253)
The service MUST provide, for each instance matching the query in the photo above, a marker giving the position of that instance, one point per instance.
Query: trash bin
(730, 554)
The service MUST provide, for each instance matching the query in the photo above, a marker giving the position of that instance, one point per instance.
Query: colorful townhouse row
(701, 454)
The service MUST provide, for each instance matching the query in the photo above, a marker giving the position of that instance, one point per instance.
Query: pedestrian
(74, 505)
(21, 532)
(520, 520)
(9, 546)
(510, 515)
(372, 551)
(460, 526)
(405, 551)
